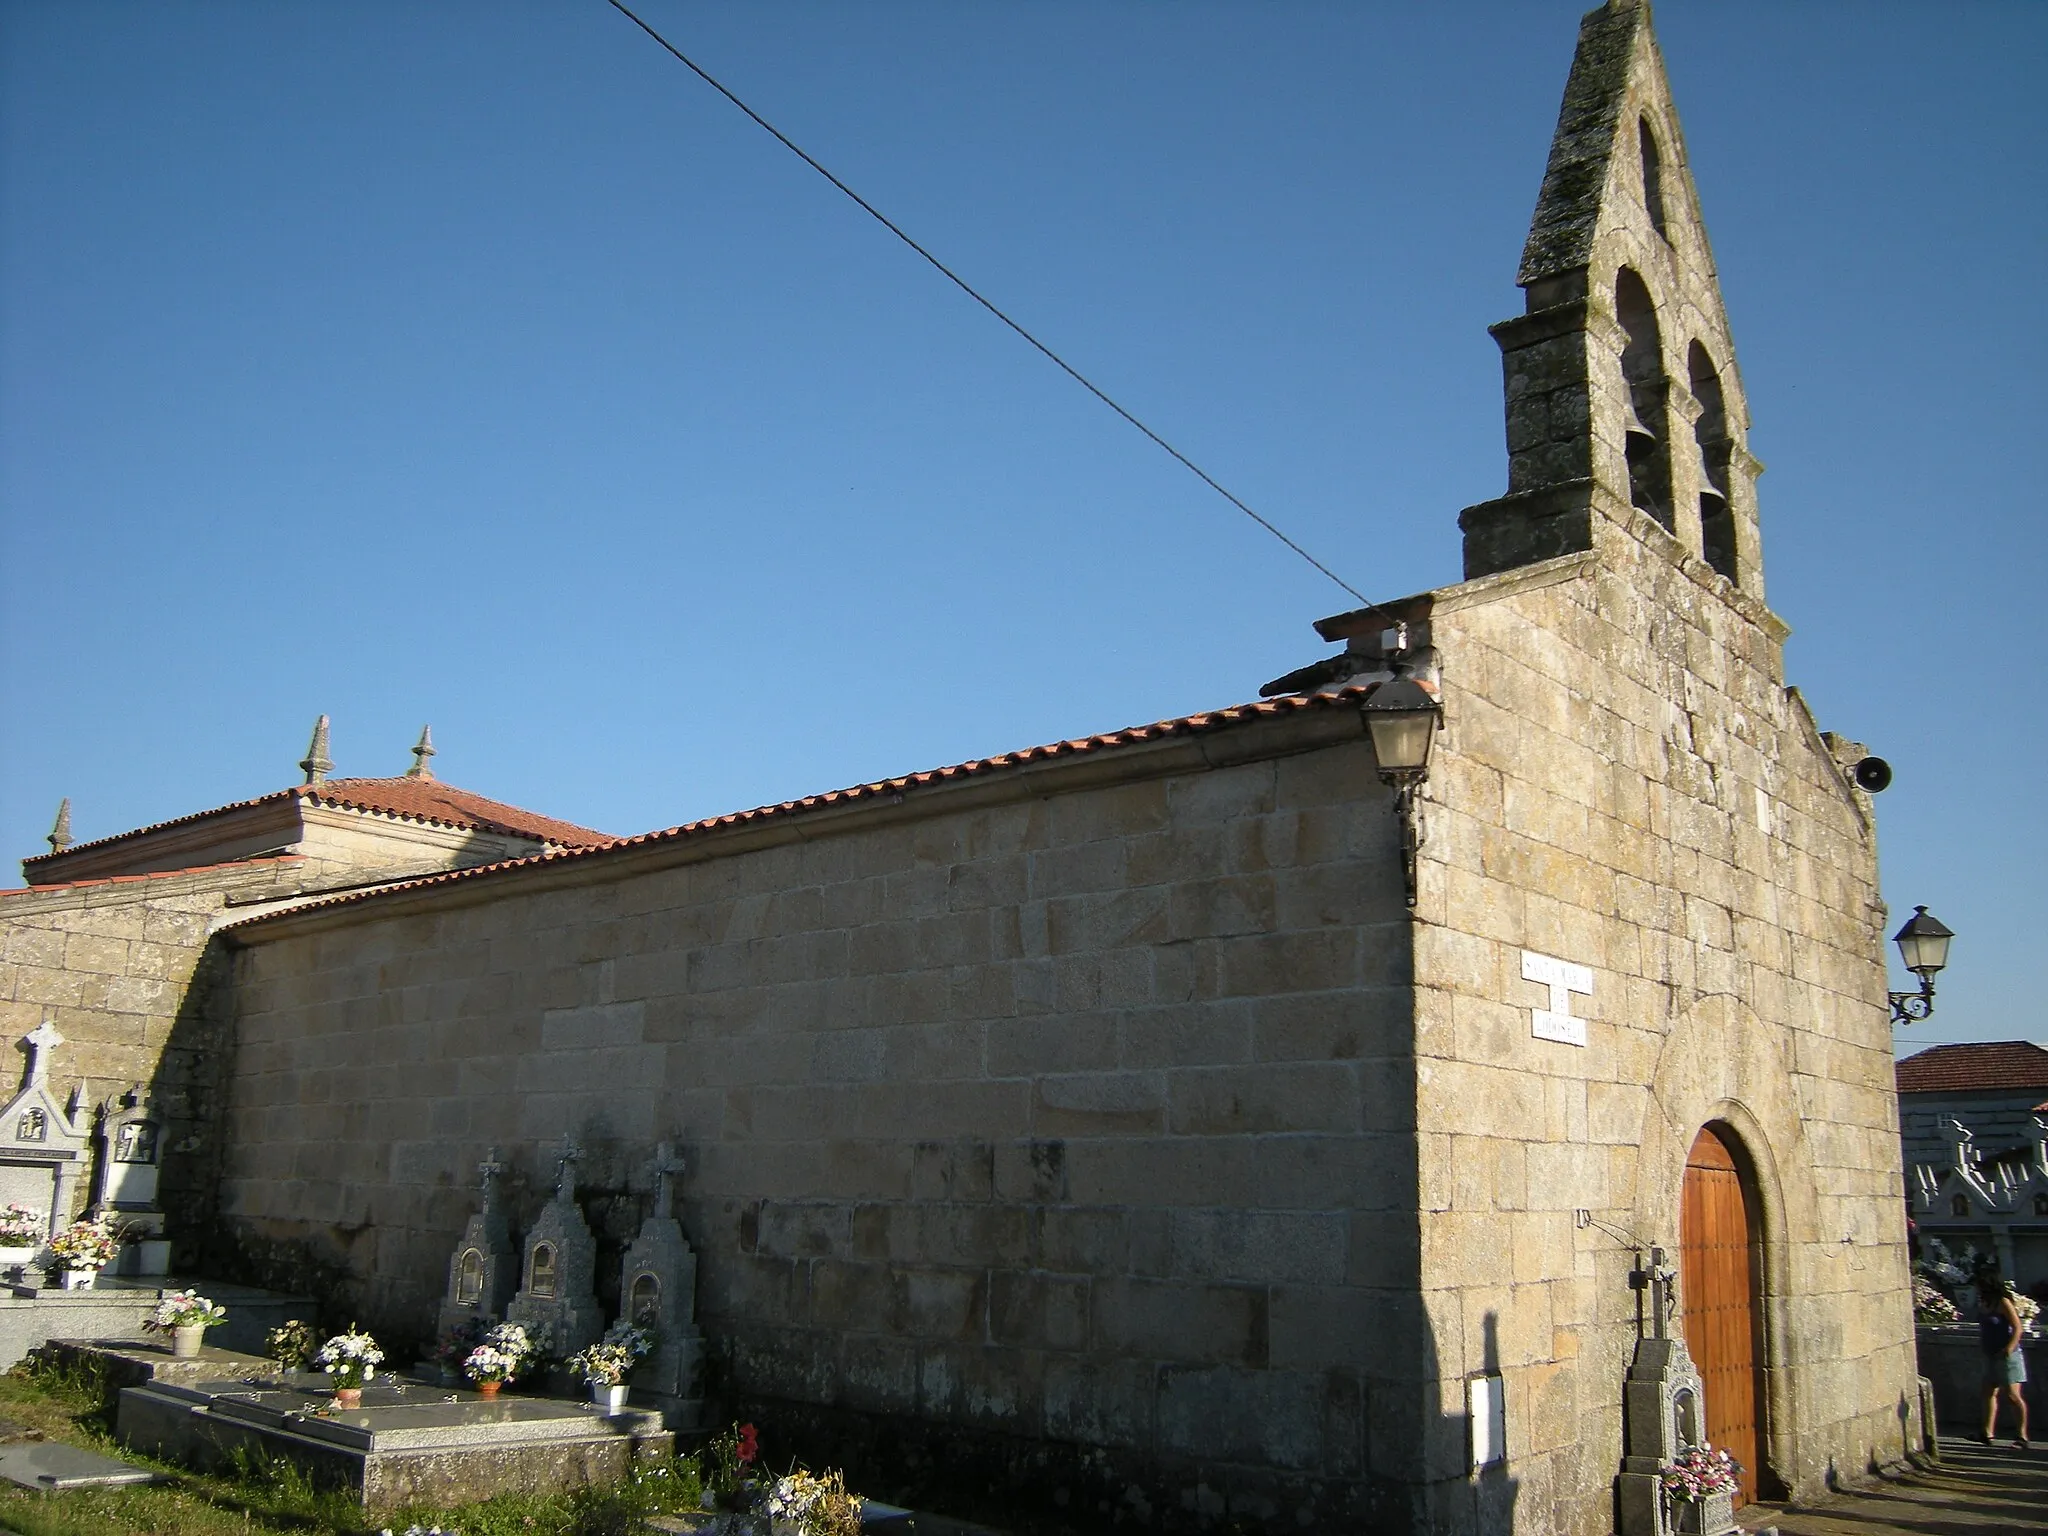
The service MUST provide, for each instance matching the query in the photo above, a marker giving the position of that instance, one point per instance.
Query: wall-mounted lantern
(1403, 716)
(1923, 945)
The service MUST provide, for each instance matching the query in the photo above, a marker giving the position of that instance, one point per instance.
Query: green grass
(255, 1495)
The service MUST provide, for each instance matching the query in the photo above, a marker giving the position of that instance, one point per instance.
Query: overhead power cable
(965, 287)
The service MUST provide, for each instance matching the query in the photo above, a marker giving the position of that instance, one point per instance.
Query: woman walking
(2005, 1366)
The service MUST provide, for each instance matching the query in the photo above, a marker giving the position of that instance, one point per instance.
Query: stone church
(1207, 1121)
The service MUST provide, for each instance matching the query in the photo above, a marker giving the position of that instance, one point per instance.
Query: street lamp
(1403, 716)
(1923, 945)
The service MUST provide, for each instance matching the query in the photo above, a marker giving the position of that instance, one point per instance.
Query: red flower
(749, 1446)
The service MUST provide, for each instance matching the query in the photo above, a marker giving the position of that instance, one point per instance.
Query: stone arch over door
(1720, 1258)
(1719, 1064)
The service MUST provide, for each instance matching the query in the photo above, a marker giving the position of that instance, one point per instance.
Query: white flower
(351, 1358)
(182, 1309)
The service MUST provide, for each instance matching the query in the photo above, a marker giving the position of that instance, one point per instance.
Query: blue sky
(475, 364)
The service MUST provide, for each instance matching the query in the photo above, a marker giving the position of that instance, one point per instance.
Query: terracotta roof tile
(1187, 725)
(431, 800)
(1971, 1068)
(416, 799)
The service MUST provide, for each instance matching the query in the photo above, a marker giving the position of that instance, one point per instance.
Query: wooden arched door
(1720, 1267)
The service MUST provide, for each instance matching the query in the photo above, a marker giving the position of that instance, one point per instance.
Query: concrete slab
(32, 1315)
(408, 1441)
(50, 1466)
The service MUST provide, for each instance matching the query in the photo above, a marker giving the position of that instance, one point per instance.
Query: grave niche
(130, 1138)
(43, 1144)
(555, 1304)
(483, 1272)
(658, 1290)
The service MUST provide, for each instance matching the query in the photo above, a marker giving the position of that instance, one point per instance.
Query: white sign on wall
(1486, 1407)
(1563, 978)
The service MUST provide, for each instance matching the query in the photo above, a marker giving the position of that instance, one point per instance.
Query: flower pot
(185, 1340)
(348, 1397)
(77, 1279)
(488, 1388)
(1708, 1516)
(612, 1399)
(16, 1257)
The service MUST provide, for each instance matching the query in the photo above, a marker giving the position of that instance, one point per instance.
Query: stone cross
(42, 1042)
(1656, 1278)
(665, 1167)
(565, 1179)
(491, 1168)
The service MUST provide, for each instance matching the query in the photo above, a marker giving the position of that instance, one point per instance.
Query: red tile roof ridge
(1974, 1066)
(156, 874)
(499, 817)
(430, 800)
(1108, 740)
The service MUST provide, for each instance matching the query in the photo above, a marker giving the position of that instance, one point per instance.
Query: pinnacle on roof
(421, 751)
(316, 764)
(60, 834)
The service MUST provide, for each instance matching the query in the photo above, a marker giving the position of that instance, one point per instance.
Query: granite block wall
(1073, 1105)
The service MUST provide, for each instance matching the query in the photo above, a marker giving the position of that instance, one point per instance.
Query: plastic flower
(290, 1344)
(1930, 1306)
(350, 1358)
(183, 1309)
(486, 1363)
(748, 1448)
(603, 1365)
(1700, 1471)
(512, 1341)
(20, 1226)
(85, 1245)
(636, 1340)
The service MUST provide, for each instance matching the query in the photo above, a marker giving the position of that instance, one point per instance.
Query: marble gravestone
(483, 1272)
(658, 1290)
(555, 1304)
(129, 1137)
(43, 1145)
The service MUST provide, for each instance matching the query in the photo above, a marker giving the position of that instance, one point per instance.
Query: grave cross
(665, 1167)
(491, 1169)
(565, 1179)
(1655, 1278)
(42, 1042)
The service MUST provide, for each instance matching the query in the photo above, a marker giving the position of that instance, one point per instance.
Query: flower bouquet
(83, 1249)
(1930, 1306)
(604, 1367)
(185, 1316)
(21, 1227)
(806, 1504)
(351, 1359)
(490, 1368)
(290, 1344)
(1702, 1481)
(512, 1339)
(453, 1347)
(2028, 1308)
(728, 1480)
